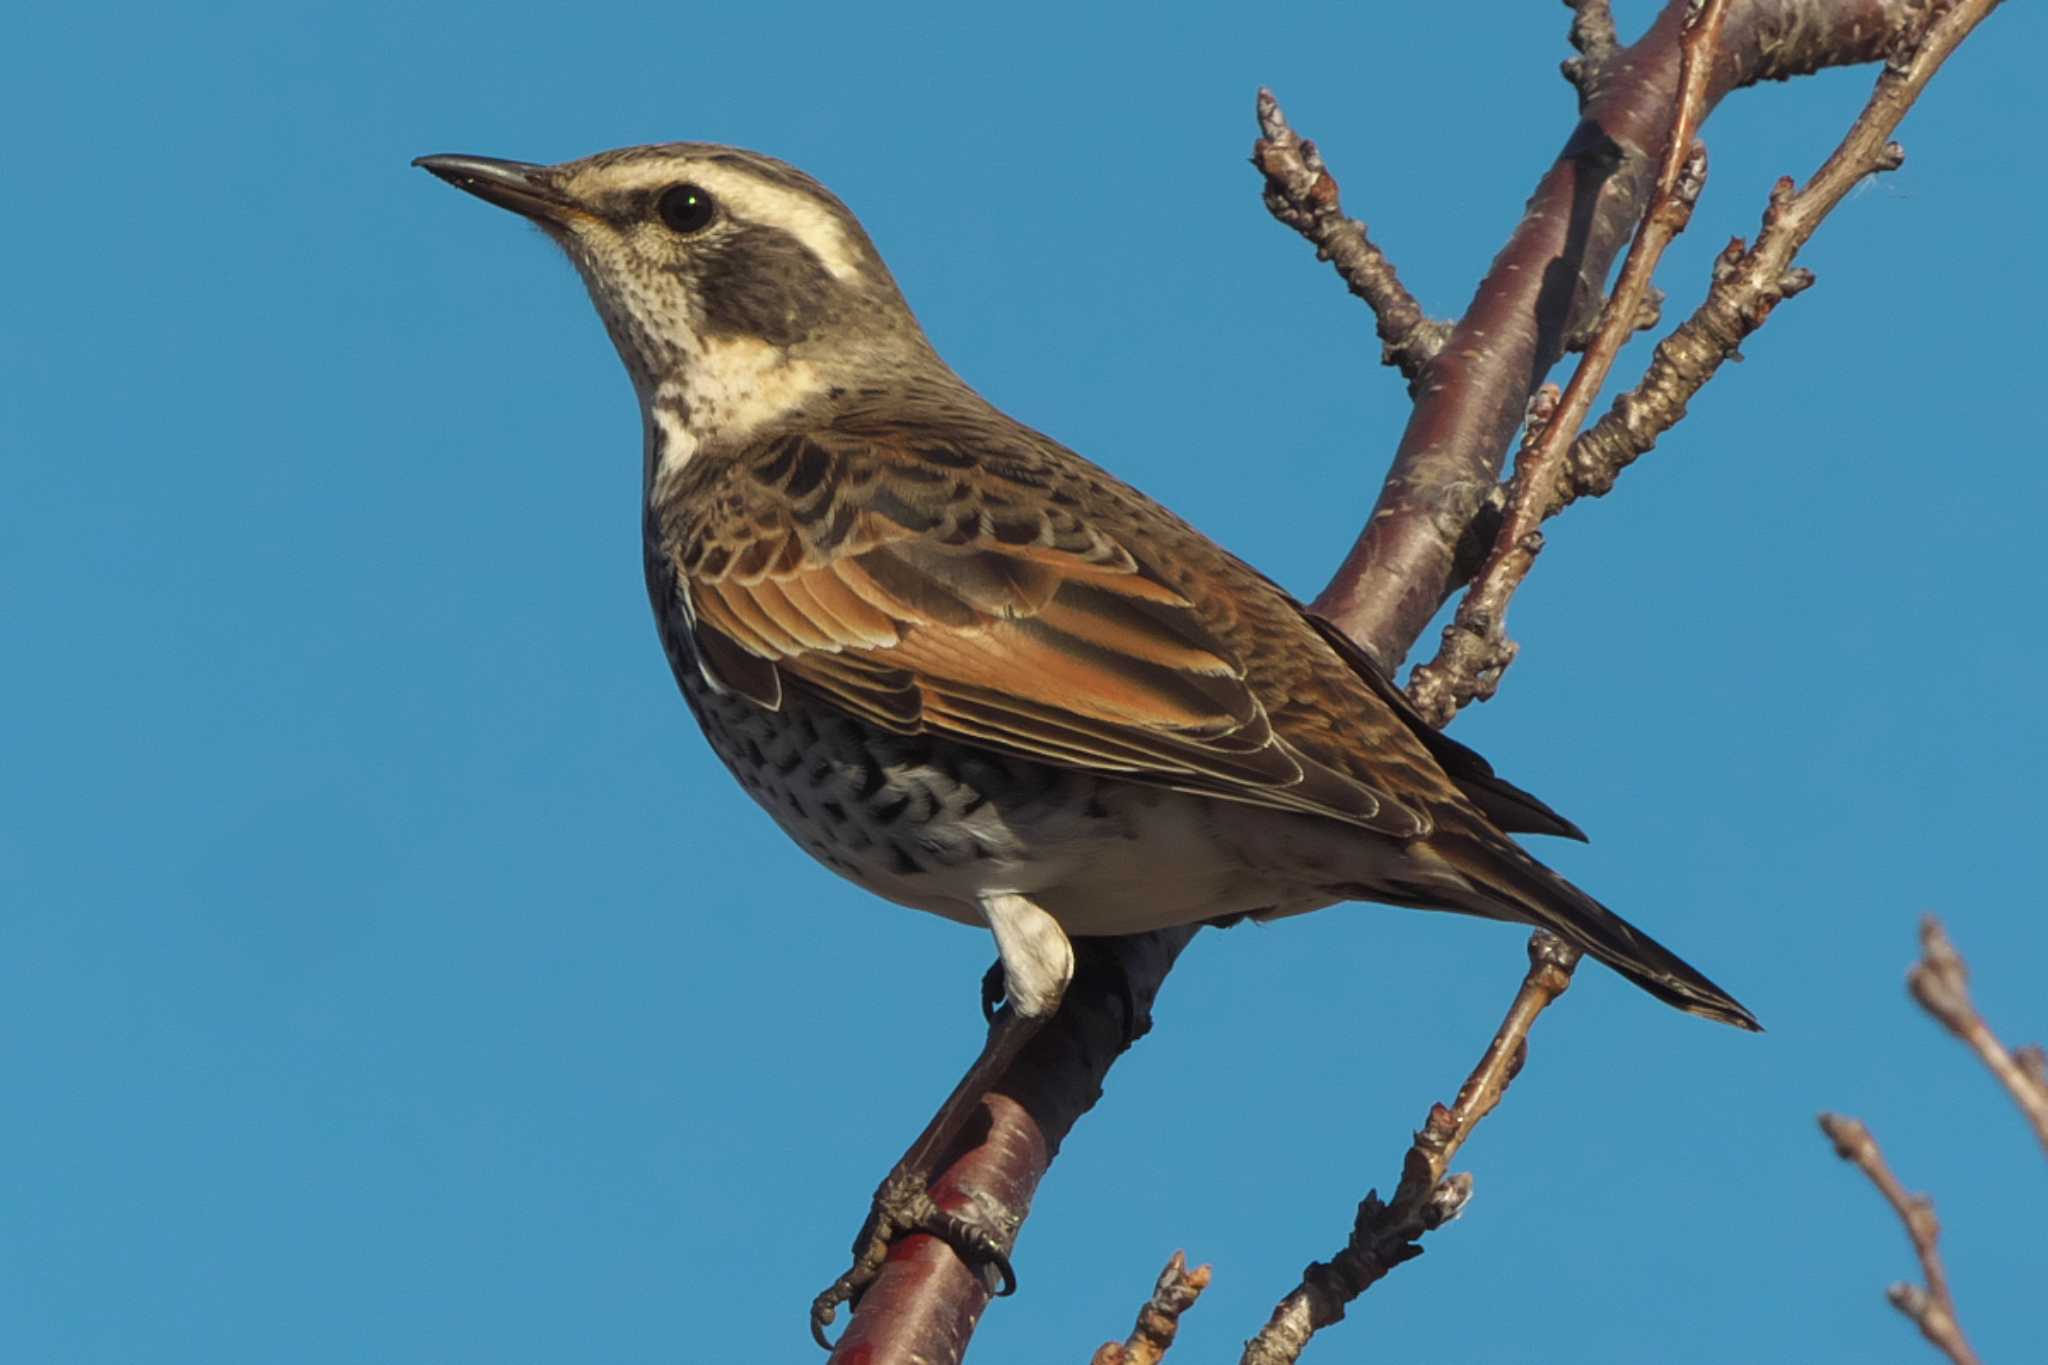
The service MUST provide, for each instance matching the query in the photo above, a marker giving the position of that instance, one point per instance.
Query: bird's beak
(516, 185)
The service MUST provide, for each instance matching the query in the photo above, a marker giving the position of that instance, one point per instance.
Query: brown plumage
(933, 616)
(969, 670)
(930, 566)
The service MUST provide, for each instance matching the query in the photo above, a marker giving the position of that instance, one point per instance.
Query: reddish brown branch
(1555, 469)
(1475, 646)
(1301, 192)
(1594, 36)
(1749, 283)
(1931, 1308)
(1940, 981)
(1388, 1233)
(926, 1302)
(1159, 1320)
(1541, 287)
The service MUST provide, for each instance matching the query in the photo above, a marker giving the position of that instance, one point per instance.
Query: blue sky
(389, 972)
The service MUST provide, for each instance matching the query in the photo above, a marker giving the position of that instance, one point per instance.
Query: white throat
(729, 389)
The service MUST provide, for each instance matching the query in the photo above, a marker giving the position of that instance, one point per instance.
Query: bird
(968, 669)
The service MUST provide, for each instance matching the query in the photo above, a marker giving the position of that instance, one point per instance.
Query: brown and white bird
(966, 668)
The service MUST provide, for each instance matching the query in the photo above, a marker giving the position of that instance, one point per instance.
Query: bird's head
(736, 288)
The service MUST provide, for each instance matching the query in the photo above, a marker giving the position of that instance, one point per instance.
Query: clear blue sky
(387, 971)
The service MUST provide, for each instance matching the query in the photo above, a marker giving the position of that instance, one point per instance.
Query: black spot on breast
(889, 812)
(903, 861)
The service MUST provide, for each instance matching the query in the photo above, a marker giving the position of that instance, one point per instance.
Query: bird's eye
(686, 208)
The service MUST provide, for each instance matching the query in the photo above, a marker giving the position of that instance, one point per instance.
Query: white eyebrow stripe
(755, 200)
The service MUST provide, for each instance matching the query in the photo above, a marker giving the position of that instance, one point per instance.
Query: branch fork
(1432, 529)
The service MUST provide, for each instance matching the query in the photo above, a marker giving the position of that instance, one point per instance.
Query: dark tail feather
(1518, 887)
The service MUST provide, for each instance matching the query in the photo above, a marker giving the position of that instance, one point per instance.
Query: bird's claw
(903, 1206)
(994, 989)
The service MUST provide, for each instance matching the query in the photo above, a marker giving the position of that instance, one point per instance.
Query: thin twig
(1749, 283)
(1940, 981)
(1387, 1233)
(1159, 1319)
(1931, 1308)
(1301, 192)
(1475, 647)
(1420, 541)
(1403, 566)
(1594, 36)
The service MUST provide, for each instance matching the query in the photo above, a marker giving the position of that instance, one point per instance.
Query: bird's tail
(1513, 885)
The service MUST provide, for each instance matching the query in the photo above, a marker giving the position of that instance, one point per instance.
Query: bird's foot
(1135, 1024)
(903, 1206)
(993, 991)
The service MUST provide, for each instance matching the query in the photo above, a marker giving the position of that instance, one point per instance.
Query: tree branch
(1596, 39)
(1940, 981)
(1750, 283)
(1387, 1233)
(926, 1302)
(1159, 1320)
(1475, 646)
(1545, 281)
(1931, 1308)
(1301, 192)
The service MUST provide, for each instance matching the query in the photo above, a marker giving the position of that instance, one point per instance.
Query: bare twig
(1940, 981)
(1594, 36)
(1388, 1233)
(1417, 545)
(1931, 1308)
(926, 1302)
(1301, 192)
(1749, 283)
(1159, 1319)
(1555, 469)
(1475, 646)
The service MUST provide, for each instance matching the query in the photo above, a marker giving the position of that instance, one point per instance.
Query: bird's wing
(926, 591)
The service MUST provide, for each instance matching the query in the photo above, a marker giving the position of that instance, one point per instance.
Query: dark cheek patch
(761, 282)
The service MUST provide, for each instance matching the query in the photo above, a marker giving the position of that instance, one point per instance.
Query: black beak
(516, 185)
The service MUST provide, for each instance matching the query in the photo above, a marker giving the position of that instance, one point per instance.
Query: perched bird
(966, 668)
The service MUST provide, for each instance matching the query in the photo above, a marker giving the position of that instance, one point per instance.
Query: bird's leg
(1037, 962)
